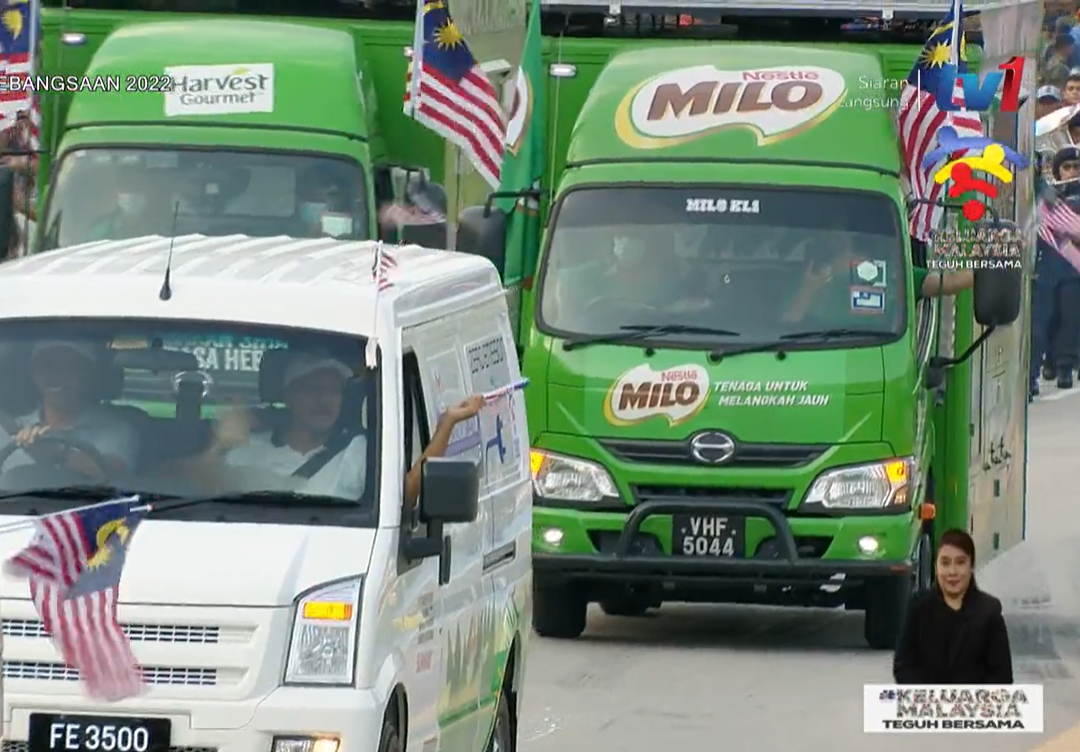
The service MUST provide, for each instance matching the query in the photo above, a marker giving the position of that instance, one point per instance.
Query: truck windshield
(116, 194)
(270, 421)
(723, 264)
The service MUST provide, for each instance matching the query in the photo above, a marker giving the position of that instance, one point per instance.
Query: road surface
(743, 678)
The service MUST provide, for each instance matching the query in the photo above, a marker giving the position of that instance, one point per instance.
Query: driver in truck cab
(64, 373)
(145, 205)
(326, 202)
(313, 388)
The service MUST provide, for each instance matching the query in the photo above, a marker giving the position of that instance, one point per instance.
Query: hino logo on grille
(712, 447)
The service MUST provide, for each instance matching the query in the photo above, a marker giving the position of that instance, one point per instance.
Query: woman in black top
(955, 633)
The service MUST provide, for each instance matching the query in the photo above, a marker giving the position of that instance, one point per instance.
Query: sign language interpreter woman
(955, 633)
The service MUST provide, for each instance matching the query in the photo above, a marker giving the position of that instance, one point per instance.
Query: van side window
(416, 423)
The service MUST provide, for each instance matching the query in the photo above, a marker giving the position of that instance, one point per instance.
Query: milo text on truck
(699, 432)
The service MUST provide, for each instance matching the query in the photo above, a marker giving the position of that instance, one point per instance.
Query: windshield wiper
(82, 492)
(266, 498)
(780, 346)
(836, 334)
(636, 332)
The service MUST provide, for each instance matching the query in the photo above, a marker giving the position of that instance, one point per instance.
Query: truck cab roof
(742, 103)
(321, 284)
(271, 62)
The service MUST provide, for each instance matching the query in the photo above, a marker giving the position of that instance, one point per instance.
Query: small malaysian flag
(73, 565)
(1059, 226)
(382, 265)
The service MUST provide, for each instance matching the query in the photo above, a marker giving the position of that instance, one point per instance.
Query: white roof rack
(881, 8)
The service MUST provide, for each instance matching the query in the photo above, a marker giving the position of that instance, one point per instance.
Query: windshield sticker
(722, 205)
(336, 225)
(677, 394)
(220, 89)
(214, 353)
(681, 105)
(867, 300)
(868, 274)
(768, 394)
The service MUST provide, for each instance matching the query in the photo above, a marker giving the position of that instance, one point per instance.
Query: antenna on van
(166, 284)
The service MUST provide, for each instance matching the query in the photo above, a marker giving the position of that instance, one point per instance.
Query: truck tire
(886, 605)
(559, 612)
(924, 572)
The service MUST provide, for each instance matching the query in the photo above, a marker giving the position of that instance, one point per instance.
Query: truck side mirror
(483, 235)
(8, 226)
(449, 491)
(998, 293)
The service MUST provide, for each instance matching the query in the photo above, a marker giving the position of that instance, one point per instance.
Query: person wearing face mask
(63, 372)
(955, 633)
(323, 198)
(144, 206)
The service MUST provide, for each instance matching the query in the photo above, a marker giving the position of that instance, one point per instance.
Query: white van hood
(180, 563)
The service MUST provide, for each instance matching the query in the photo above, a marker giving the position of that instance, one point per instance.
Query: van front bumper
(354, 716)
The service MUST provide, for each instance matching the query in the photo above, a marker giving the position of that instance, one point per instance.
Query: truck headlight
(875, 485)
(322, 649)
(556, 476)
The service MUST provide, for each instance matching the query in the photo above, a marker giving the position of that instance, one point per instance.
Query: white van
(278, 614)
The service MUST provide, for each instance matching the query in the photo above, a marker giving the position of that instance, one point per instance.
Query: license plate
(708, 535)
(97, 733)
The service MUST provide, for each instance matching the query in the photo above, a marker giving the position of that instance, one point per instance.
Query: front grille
(15, 746)
(190, 635)
(43, 671)
(773, 497)
(746, 455)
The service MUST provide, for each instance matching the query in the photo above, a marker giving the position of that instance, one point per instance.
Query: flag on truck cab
(920, 120)
(20, 34)
(523, 161)
(73, 564)
(447, 91)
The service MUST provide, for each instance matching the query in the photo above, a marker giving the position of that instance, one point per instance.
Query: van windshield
(189, 410)
(758, 263)
(117, 194)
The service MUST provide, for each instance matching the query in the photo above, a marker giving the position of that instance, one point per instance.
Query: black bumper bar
(787, 568)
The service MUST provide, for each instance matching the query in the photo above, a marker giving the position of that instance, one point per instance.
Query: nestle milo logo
(680, 105)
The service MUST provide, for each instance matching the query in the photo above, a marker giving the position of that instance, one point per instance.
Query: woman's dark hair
(958, 538)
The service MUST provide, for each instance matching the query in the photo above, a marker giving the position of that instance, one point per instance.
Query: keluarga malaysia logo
(220, 89)
(677, 394)
(681, 105)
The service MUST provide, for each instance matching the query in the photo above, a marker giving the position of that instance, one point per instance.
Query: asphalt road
(742, 678)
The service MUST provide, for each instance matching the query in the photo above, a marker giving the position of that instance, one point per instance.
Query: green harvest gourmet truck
(260, 112)
(736, 393)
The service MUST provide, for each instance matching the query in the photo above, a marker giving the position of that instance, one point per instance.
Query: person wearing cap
(63, 372)
(1047, 99)
(313, 388)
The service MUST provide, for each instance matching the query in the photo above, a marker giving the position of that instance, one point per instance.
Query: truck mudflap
(782, 566)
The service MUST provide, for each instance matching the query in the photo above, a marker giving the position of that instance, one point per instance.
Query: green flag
(523, 161)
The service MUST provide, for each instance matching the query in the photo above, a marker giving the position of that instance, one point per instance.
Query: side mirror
(8, 226)
(483, 235)
(449, 491)
(998, 293)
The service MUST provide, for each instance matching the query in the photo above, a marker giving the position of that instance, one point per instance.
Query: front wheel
(886, 605)
(502, 736)
(559, 611)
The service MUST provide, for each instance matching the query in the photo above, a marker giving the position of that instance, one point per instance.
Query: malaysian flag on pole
(920, 120)
(20, 33)
(381, 267)
(447, 91)
(73, 565)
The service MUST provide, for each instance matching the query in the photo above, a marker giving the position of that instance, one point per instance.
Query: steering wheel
(87, 450)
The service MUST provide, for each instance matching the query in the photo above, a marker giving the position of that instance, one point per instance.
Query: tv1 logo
(979, 97)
